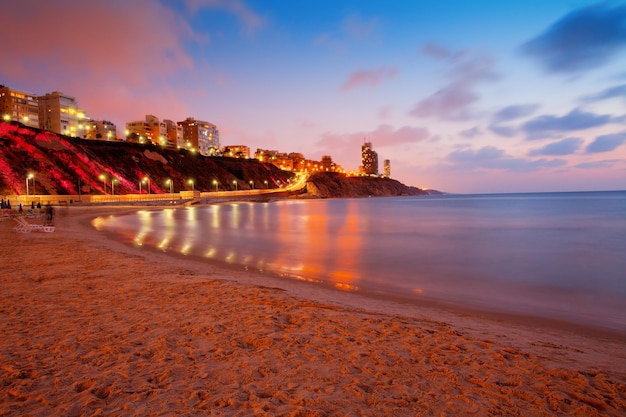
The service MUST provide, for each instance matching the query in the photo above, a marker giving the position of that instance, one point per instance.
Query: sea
(558, 256)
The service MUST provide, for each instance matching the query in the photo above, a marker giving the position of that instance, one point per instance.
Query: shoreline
(92, 324)
(498, 312)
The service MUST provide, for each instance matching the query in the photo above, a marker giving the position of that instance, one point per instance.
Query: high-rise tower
(369, 159)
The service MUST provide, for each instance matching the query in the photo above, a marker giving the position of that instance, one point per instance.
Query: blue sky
(461, 96)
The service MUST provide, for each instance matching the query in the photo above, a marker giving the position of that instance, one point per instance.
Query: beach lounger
(24, 227)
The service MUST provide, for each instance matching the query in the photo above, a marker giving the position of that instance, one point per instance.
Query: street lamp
(169, 181)
(146, 179)
(266, 186)
(104, 184)
(28, 178)
(215, 183)
(113, 186)
(236, 185)
(252, 184)
(193, 187)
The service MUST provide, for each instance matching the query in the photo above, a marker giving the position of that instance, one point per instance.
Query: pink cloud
(384, 135)
(466, 70)
(449, 103)
(369, 78)
(130, 42)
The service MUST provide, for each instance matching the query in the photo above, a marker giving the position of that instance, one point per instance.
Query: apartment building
(59, 113)
(19, 106)
(174, 134)
(236, 151)
(200, 136)
(387, 168)
(369, 160)
(99, 130)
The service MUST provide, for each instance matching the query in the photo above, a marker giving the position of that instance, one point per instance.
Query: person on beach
(49, 214)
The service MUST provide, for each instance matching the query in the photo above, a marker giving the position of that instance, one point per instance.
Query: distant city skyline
(481, 96)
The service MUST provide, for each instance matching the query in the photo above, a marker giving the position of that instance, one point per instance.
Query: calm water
(557, 255)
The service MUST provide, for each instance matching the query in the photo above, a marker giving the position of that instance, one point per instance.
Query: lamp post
(215, 184)
(236, 185)
(104, 183)
(146, 179)
(251, 184)
(193, 187)
(266, 186)
(169, 181)
(113, 186)
(28, 178)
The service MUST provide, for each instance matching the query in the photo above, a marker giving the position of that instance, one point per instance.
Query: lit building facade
(236, 151)
(151, 130)
(99, 130)
(369, 160)
(137, 131)
(59, 113)
(174, 134)
(19, 106)
(387, 168)
(200, 136)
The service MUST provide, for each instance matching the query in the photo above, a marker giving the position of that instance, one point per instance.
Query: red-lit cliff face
(60, 165)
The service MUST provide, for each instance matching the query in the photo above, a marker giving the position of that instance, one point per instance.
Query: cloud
(454, 100)
(368, 78)
(250, 20)
(449, 103)
(549, 125)
(582, 40)
(617, 91)
(384, 135)
(470, 133)
(563, 147)
(491, 158)
(502, 130)
(134, 52)
(514, 112)
(606, 143)
(608, 163)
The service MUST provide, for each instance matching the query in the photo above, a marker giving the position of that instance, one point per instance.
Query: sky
(480, 96)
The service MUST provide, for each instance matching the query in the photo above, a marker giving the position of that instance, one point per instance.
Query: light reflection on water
(558, 255)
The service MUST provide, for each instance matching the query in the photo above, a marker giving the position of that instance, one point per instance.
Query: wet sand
(92, 327)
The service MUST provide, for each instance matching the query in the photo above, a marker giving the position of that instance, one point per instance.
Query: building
(99, 130)
(19, 106)
(149, 130)
(137, 131)
(200, 136)
(369, 160)
(236, 151)
(59, 113)
(174, 134)
(387, 168)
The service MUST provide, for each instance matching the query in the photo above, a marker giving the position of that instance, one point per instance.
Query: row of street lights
(169, 182)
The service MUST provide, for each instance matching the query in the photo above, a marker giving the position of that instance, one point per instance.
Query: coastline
(93, 325)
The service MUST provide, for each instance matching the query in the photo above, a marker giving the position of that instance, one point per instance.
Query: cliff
(331, 184)
(60, 165)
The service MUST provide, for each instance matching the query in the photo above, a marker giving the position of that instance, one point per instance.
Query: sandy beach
(93, 327)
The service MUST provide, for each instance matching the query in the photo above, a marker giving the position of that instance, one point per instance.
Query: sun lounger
(24, 227)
